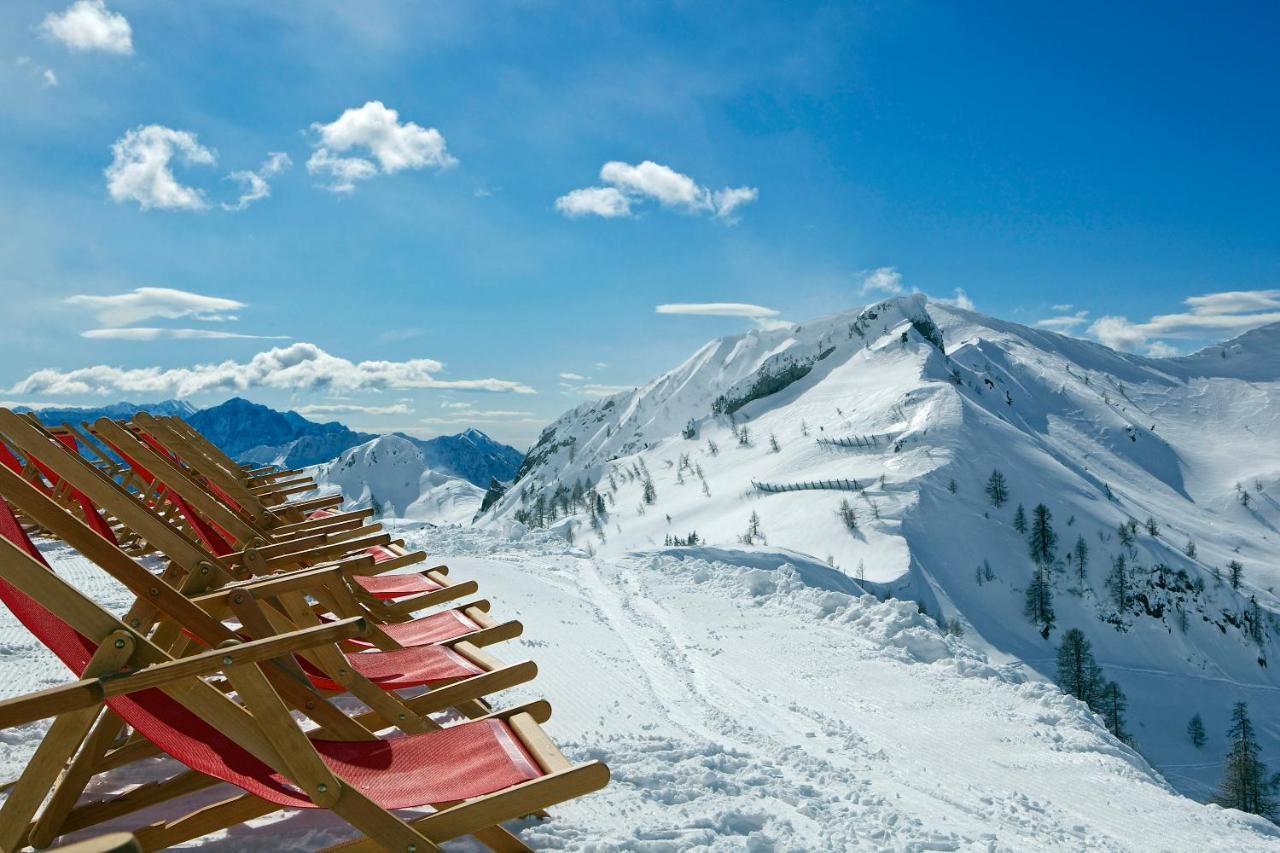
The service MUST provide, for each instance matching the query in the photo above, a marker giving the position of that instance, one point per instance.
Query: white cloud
(1063, 308)
(960, 300)
(1159, 349)
(1211, 315)
(597, 390)
(454, 404)
(391, 336)
(297, 367)
(90, 25)
(576, 377)
(377, 130)
(1064, 323)
(629, 183)
(50, 79)
(600, 365)
(146, 333)
(473, 415)
(881, 280)
(353, 409)
(255, 182)
(716, 309)
(140, 172)
(144, 303)
(607, 202)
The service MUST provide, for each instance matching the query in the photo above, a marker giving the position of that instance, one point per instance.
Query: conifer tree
(848, 514)
(1119, 583)
(997, 490)
(1039, 602)
(773, 443)
(1153, 529)
(1078, 672)
(1195, 731)
(1236, 572)
(1082, 557)
(1245, 784)
(1043, 542)
(650, 493)
(1111, 705)
(1126, 537)
(1020, 520)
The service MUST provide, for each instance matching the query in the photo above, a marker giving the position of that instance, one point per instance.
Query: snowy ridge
(928, 396)
(391, 473)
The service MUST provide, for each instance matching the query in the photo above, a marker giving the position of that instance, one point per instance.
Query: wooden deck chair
(429, 588)
(476, 773)
(453, 665)
(242, 533)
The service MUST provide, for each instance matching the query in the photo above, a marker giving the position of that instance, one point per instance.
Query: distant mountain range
(251, 432)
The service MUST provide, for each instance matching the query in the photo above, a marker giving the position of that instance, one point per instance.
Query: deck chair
(429, 588)
(475, 774)
(455, 666)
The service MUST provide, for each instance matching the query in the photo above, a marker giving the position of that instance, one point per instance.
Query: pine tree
(1195, 731)
(1078, 672)
(773, 443)
(1190, 550)
(1039, 603)
(1126, 537)
(1112, 705)
(997, 490)
(1153, 529)
(1236, 572)
(848, 514)
(1082, 557)
(713, 448)
(650, 493)
(1020, 520)
(1106, 491)
(951, 487)
(1245, 785)
(1043, 542)
(1119, 583)
(753, 529)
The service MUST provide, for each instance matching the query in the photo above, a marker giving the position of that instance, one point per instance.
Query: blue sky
(422, 275)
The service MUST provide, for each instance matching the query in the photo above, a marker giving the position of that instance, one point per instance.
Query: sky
(429, 216)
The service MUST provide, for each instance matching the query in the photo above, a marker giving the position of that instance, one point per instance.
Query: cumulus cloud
(144, 303)
(89, 25)
(1210, 315)
(140, 168)
(354, 409)
(885, 280)
(607, 202)
(716, 309)
(297, 367)
(628, 184)
(374, 130)
(1064, 323)
(146, 333)
(254, 183)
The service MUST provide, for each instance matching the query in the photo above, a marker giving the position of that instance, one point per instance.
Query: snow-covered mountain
(76, 415)
(867, 439)
(252, 432)
(393, 473)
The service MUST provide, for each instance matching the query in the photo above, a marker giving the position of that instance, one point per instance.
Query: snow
(1063, 419)
(391, 471)
(744, 704)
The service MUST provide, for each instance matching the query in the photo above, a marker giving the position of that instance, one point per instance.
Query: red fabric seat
(466, 760)
(436, 628)
(409, 667)
(394, 586)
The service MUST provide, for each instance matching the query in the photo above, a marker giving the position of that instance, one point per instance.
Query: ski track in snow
(741, 708)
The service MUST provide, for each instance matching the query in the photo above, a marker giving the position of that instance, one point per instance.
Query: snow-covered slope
(750, 700)
(903, 409)
(391, 471)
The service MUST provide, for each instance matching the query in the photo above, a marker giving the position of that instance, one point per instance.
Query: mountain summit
(1135, 499)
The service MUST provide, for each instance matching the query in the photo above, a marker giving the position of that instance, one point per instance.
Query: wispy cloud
(627, 185)
(960, 300)
(297, 367)
(145, 303)
(391, 336)
(254, 183)
(716, 309)
(1211, 315)
(885, 280)
(88, 25)
(147, 333)
(1064, 323)
(354, 409)
(391, 146)
(573, 377)
(140, 168)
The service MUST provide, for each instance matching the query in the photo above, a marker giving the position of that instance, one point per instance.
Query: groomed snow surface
(750, 700)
